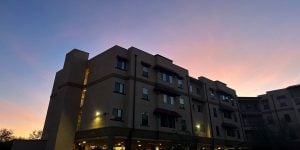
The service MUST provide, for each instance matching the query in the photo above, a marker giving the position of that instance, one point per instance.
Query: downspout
(191, 115)
(210, 120)
(133, 107)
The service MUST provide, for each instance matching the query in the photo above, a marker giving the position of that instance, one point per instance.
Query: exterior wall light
(97, 114)
(198, 126)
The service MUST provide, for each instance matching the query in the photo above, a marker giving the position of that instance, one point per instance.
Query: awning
(229, 125)
(158, 111)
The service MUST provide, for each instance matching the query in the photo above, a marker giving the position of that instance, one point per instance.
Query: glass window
(227, 114)
(145, 71)
(121, 64)
(145, 95)
(191, 88)
(282, 102)
(265, 104)
(167, 78)
(218, 131)
(199, 108)
(287, 118)
(215, 112)
(230, 132)
(167, 121)
(183, 125)
(198, 91)
(180, 83)
(145, 117)
(270, 120)
(181, 103)
(211, 92)
(117, 114)
(167, 99)
(119, 88)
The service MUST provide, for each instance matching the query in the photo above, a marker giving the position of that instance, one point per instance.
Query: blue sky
(253, 46)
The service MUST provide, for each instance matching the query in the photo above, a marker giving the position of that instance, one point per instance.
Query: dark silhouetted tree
(36, 134)
(6, 135)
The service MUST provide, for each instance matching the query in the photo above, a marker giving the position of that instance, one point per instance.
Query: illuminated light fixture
(159, 144)
(119, 144)
(138, 141)
(83, 142)
(97, 113)
(139, 145)
(219, 147)
(198, 126)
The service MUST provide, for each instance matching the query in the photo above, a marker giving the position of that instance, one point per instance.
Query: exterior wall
(214, 90)
(94, 119)
(60, 125)
(278, 110)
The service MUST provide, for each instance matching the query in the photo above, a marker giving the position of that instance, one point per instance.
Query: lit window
(117, 114)
(181, 103)
(121, 64)
(119, 88)
(145, 94)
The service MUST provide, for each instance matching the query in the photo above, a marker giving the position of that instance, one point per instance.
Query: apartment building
(277, 111)
(130, 99)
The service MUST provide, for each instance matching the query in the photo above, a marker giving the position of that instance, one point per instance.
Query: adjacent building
(130, 99)
(277, 111)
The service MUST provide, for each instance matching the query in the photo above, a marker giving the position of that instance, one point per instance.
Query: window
(145, 95)
(232, 103)
(191, 88)
(230, 132)
(202, 129)
(287, 118)
(297, 100)
(211, 92)
(265, 104)
(117, 114)
(145, 117)
(167, 121)
(281, 101)
(218, 131)
(168, 99)
(121, 63)
(183, 125)
(238, 134)
(181, 103)
(198, 91)
(145, 71)
(235, 118)
(167, 78)
(215, 112)
(180, 83)
(199, 108)
(270, 120)
(227, 114)
(119, 88)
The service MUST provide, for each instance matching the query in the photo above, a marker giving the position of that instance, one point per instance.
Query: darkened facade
(127, 98)
(274, 116)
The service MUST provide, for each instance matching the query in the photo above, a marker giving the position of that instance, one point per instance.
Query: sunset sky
(253, 46)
